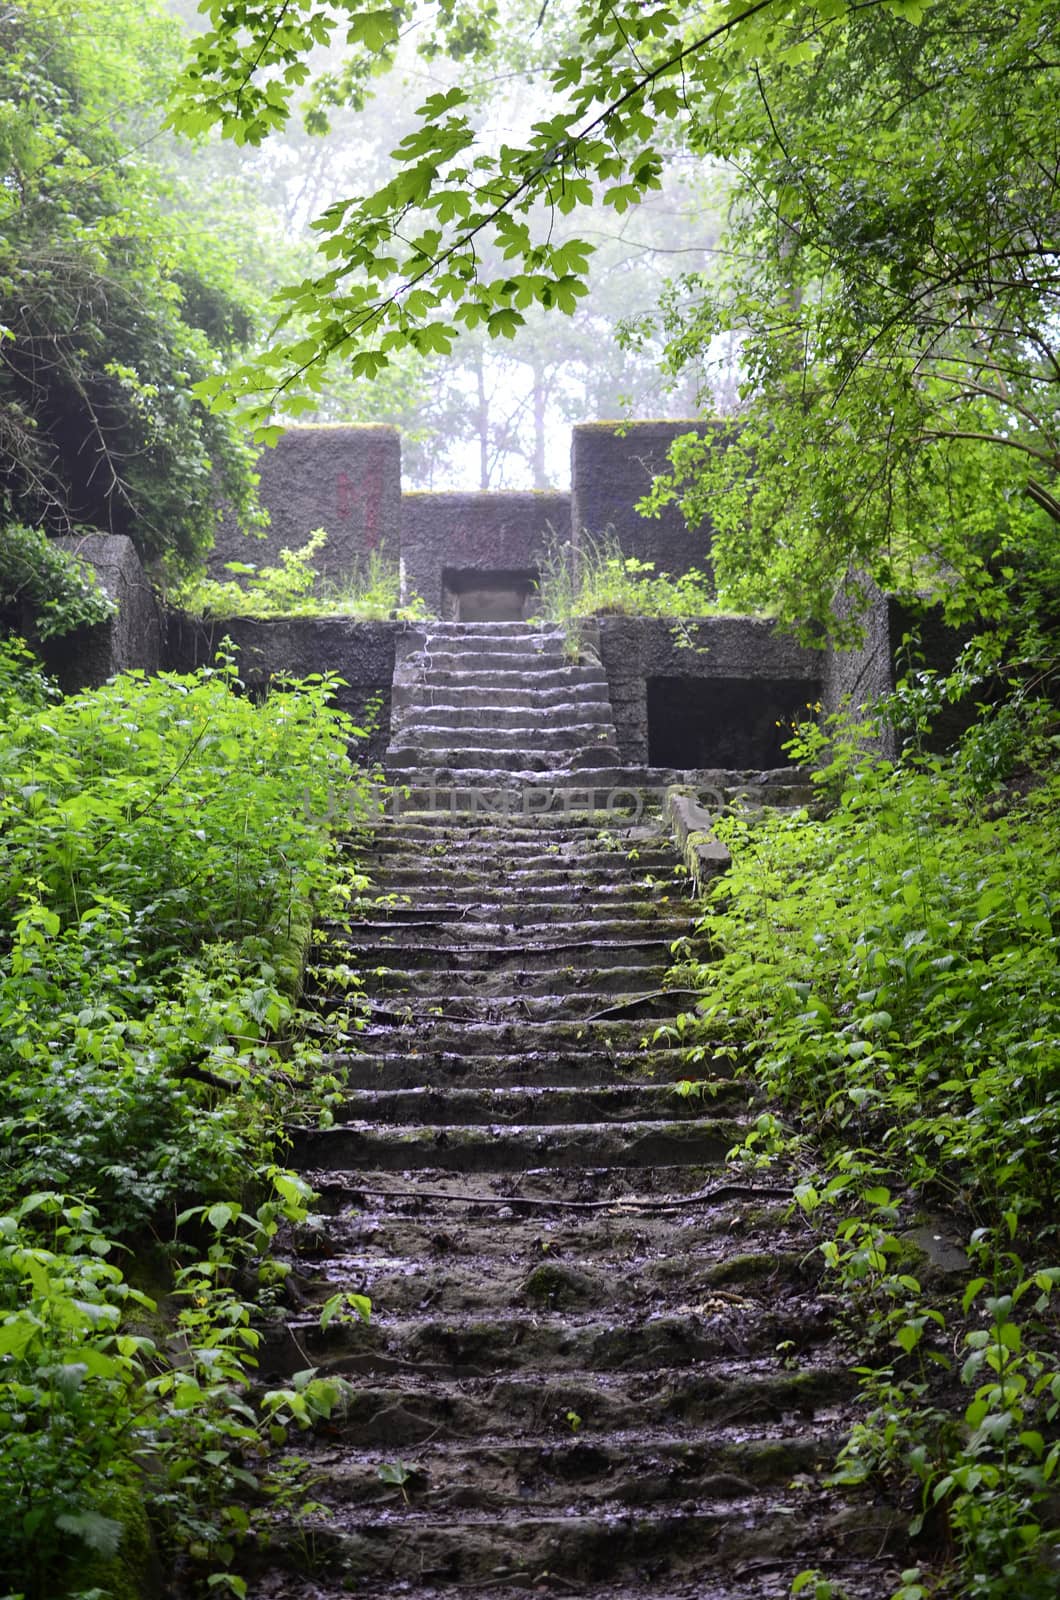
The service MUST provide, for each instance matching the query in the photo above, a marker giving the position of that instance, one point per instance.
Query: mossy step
(404, 1068)
(562, 956)
(732, 1297)
(403, 1148)
(476, 1346)
(526, 1405)
(440, 987)
(629, 1469)
(444, 1106)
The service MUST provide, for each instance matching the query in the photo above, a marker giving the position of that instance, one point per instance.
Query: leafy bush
(162, 844)
(594, 578)
(371, 593)
(42, 586)
(888, 973)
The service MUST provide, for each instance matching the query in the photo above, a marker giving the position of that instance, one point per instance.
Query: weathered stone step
(492, 655)
(536, 702)
(609, 895)
(491, 759)
(607, 789)
(535, 829)
(570, 956)
(649, 1010)
(533, 720)
(467, 857)
(408, 1068)
(402, 1148)
(461, 1345)
(505, 675)
(735, 1240)
(605, 1037)
(519, 636)
(728, 1292)
(391, 1009)
(428, 734)
(488, 869)
(426, 1551)
(556, 924)
(445, 1106)
(439, 987)
(633, 1469)
(749, 1390)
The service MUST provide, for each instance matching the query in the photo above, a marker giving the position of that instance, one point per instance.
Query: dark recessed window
(724, 722)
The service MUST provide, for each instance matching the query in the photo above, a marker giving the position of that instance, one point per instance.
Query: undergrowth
(888, 974)
(595, 578)
(161, 847)
(370, 592)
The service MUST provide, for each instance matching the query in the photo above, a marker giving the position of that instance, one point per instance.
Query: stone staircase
(501, 697)
(600, 1360)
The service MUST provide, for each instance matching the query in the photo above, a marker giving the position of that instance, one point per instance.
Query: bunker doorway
(477, 595)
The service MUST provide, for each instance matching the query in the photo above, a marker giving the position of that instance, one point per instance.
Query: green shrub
(595, 578)
(43, 587)
(161, 840)
(371, 592)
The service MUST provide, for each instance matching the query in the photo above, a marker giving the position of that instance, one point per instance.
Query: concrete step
(402, 1068)
(425, 735)
(534, 720)
(704, 1141)
(504, 673)
(493, 763)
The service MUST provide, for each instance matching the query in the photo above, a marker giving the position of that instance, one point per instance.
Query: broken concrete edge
(692, 827)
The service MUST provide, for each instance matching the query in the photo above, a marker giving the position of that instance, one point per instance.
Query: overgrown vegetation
(114, 298)
(888, 974)
(44, 590)
(162, 843)
(370, 593)
(594, 578)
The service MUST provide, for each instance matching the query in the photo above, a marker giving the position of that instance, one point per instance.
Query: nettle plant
(887, 973)
(164, 844)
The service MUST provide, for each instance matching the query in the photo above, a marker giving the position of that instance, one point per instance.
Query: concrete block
(458, 536)
(346, 480)
(612, 467)
(131, 638)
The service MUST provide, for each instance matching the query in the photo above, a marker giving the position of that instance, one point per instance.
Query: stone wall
(856, 678)
(475, 533)
(361, 653)
(612, 467)
(133, 637)
(640, 651)
(346, 480)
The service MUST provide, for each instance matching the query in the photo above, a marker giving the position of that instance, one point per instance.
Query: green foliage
(43, 587)
(110, 308)
(888, 973)
(890, 292)
(595, 578)
(163, 840)
(371, 593)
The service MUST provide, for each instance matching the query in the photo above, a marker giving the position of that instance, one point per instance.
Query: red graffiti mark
(344, 496)
(372, 498)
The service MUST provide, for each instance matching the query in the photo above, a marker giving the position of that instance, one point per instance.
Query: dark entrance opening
(480, 596)
(723, 722)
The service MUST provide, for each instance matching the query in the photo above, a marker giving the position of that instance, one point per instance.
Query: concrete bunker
(476, 594)
(722, 722)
